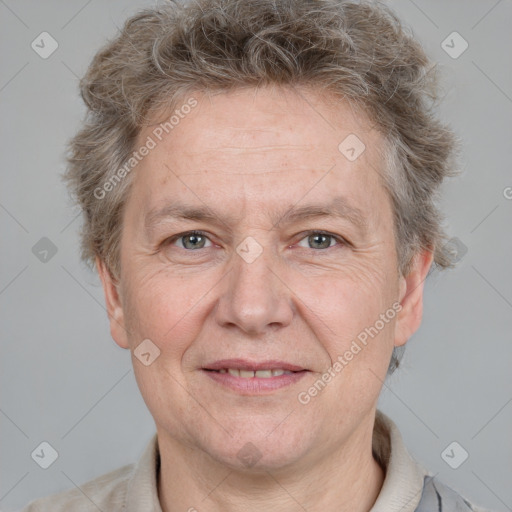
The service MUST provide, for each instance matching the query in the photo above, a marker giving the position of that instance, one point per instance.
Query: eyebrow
(339, 207)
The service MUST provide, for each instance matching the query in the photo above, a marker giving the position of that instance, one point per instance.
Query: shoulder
(106, 492)
(438, 496)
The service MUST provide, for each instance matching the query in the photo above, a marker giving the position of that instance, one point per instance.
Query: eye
(194, 240)
(190, 240)
(321, 240)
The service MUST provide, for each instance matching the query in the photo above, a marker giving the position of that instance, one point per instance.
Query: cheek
(359, 288)
(161, 388)
(166, 309)
(167, 314)
(358, 340)
(346, 305)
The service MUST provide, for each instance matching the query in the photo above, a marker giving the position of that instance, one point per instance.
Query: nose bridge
(254, 298)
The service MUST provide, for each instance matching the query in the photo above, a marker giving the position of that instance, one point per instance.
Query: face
(256, 240)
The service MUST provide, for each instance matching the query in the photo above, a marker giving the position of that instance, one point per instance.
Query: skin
(247, 154)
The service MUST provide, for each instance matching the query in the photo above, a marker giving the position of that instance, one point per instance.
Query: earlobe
(411, 297)
(113, 304)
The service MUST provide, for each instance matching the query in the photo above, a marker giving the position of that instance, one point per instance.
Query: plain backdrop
(64, 381)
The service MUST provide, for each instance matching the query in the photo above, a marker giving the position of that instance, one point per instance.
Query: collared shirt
(407, 486)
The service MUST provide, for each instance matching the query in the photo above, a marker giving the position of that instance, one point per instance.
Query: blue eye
(321, 240)
(191, 240)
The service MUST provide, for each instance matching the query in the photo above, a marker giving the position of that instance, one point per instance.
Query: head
(254, 117)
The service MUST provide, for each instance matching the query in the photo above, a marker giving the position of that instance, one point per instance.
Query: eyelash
(341, 241)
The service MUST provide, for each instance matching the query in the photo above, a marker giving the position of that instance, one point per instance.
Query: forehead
(300, 119)
(257, 145)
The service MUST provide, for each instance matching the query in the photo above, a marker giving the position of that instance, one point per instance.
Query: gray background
(64, 380)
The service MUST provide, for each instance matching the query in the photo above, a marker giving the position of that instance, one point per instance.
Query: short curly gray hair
(355, 51)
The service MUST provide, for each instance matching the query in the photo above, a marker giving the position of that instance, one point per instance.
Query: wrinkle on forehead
(254, 149)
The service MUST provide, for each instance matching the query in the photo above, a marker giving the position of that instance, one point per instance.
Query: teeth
(249, 374)
(264, 374)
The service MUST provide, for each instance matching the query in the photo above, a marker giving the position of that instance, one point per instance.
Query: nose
(255, 298)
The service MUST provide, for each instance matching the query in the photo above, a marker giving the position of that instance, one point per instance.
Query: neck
(347, 479)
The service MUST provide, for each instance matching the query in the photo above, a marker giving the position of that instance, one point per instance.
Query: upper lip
(244, 364)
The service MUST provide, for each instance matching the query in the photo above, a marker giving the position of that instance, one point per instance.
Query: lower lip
(255, 385)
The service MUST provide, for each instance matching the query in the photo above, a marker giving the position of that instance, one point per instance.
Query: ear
(114, 306)
(411, 297)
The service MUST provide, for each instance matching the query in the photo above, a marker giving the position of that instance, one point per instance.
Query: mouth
(251, 378)
(249, 374)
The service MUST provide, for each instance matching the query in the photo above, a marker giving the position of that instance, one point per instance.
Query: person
(258, 181)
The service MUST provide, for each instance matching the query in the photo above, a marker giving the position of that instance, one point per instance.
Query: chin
(256, 459)
(259, 449)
